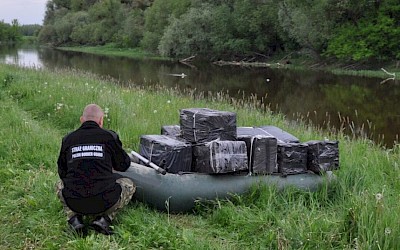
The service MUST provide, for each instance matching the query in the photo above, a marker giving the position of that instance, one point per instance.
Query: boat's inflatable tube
(178, 193)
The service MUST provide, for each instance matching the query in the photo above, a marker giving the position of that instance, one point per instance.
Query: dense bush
(370, 37)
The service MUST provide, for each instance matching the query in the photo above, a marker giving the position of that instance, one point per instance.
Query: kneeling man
(88, 184)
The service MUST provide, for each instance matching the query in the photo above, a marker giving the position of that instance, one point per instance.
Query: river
(359, 106)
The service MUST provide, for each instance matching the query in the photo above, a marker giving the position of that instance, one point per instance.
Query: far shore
(388, 72)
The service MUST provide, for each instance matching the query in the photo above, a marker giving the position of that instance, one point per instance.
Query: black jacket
(87, 158)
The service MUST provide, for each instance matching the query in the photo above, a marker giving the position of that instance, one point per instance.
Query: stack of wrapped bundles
(173, 131)
(208, 141)
(261, 150)
(323, 156)
(291, 154)
(213, 136)
(292, 158)
(220, 157)
(172, 155)
(199, 125)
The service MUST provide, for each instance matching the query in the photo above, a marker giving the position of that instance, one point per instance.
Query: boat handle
(149, 163)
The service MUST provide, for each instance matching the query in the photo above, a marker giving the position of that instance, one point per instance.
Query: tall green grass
(38, 107)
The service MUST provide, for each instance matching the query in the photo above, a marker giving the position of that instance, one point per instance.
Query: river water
(359, 106)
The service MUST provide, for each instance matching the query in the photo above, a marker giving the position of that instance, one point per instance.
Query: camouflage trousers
(128, 189)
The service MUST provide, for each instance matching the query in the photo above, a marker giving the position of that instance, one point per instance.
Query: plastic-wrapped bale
(261, 150)
(200, 125)
(323, 156)
(217, 157)
(279, 134)
(173, 131)
(171, 154)
(292, 158)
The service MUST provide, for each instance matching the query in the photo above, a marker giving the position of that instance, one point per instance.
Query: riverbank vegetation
(38, 107)
(10, 33)
(234, 30)
(14, 32)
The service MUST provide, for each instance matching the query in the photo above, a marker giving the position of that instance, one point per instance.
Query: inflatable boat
(179, 192)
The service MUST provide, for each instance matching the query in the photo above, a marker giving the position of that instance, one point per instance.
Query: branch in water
(390, 78)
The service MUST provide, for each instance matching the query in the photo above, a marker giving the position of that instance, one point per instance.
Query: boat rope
(251, 153)
(194, 126)
(211, 158)
(151, 151)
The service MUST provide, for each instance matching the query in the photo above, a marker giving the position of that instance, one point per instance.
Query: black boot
(102, 225)
(76, 224)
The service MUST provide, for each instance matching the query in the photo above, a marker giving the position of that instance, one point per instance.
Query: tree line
(230, 29)
(13, 33)
(10, 33)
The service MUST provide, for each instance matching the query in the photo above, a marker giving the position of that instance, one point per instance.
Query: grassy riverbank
(111, 50)
(37, 108)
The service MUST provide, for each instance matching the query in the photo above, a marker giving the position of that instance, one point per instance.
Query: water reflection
(356, 105)
(25, 57)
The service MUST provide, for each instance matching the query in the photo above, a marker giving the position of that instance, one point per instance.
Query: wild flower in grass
(58, 106)
(379, 197)
(355, 243)
(169, 101)
(106, 111)
(155, 111)
(388, 231)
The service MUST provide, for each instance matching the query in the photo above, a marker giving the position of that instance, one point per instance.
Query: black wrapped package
(200, 125)
(292, 158)
(173, 131)
(261, 150)
(172, 155)
(279, 134)
(323, 156)
(219, 157)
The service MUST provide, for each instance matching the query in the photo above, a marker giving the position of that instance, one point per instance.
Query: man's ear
(82, 119)
(101, 121)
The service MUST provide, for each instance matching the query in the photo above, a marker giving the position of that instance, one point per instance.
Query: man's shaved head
(93, 112)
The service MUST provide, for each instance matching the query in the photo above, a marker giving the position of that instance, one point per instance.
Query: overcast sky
(26, 11)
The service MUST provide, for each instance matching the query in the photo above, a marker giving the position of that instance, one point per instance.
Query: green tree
(190, 34)
(80, 31)
(47, 35)
(157, 18)
(306, 23)
(30, 29)
(10, 33)
(255, 23)
(63, 29)
(132, 29)
(3, 31)
(106, 19)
